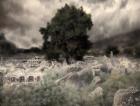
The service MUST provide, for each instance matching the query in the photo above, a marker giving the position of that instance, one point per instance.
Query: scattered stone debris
(80, 73)
(80, 79)
(127, 97)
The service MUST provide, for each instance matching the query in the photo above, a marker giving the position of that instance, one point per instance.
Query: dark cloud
(114, 17)
(21, 19)
(95, 1)
(8, 7)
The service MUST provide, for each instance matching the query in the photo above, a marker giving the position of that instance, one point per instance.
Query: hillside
(8, 48)
(127, 43)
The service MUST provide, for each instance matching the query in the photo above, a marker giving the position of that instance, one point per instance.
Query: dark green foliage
(66, 34)
(6, 47)
(50, 94)
(137, 51)
(129, 51)
(113, 49)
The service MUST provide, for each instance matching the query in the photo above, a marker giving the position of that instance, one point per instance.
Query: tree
(66, 34)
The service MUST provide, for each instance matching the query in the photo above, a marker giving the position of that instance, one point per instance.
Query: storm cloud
(20, 20)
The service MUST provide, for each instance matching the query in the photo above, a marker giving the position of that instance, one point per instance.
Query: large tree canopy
(66, 34)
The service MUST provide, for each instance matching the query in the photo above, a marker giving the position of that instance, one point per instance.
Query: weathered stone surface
(80, 79)
(74, 69)
(106, 68)
(127, 97)
(84, 77)
(98, 92)
(97, 80)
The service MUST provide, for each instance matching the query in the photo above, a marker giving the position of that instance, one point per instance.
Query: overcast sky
(20, 20)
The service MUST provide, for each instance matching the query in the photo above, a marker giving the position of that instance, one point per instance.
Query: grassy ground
(65, 94)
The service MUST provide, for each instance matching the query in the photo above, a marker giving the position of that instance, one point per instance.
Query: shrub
(113, 49)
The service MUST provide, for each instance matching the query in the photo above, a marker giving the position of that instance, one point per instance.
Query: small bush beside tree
(113, 49)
